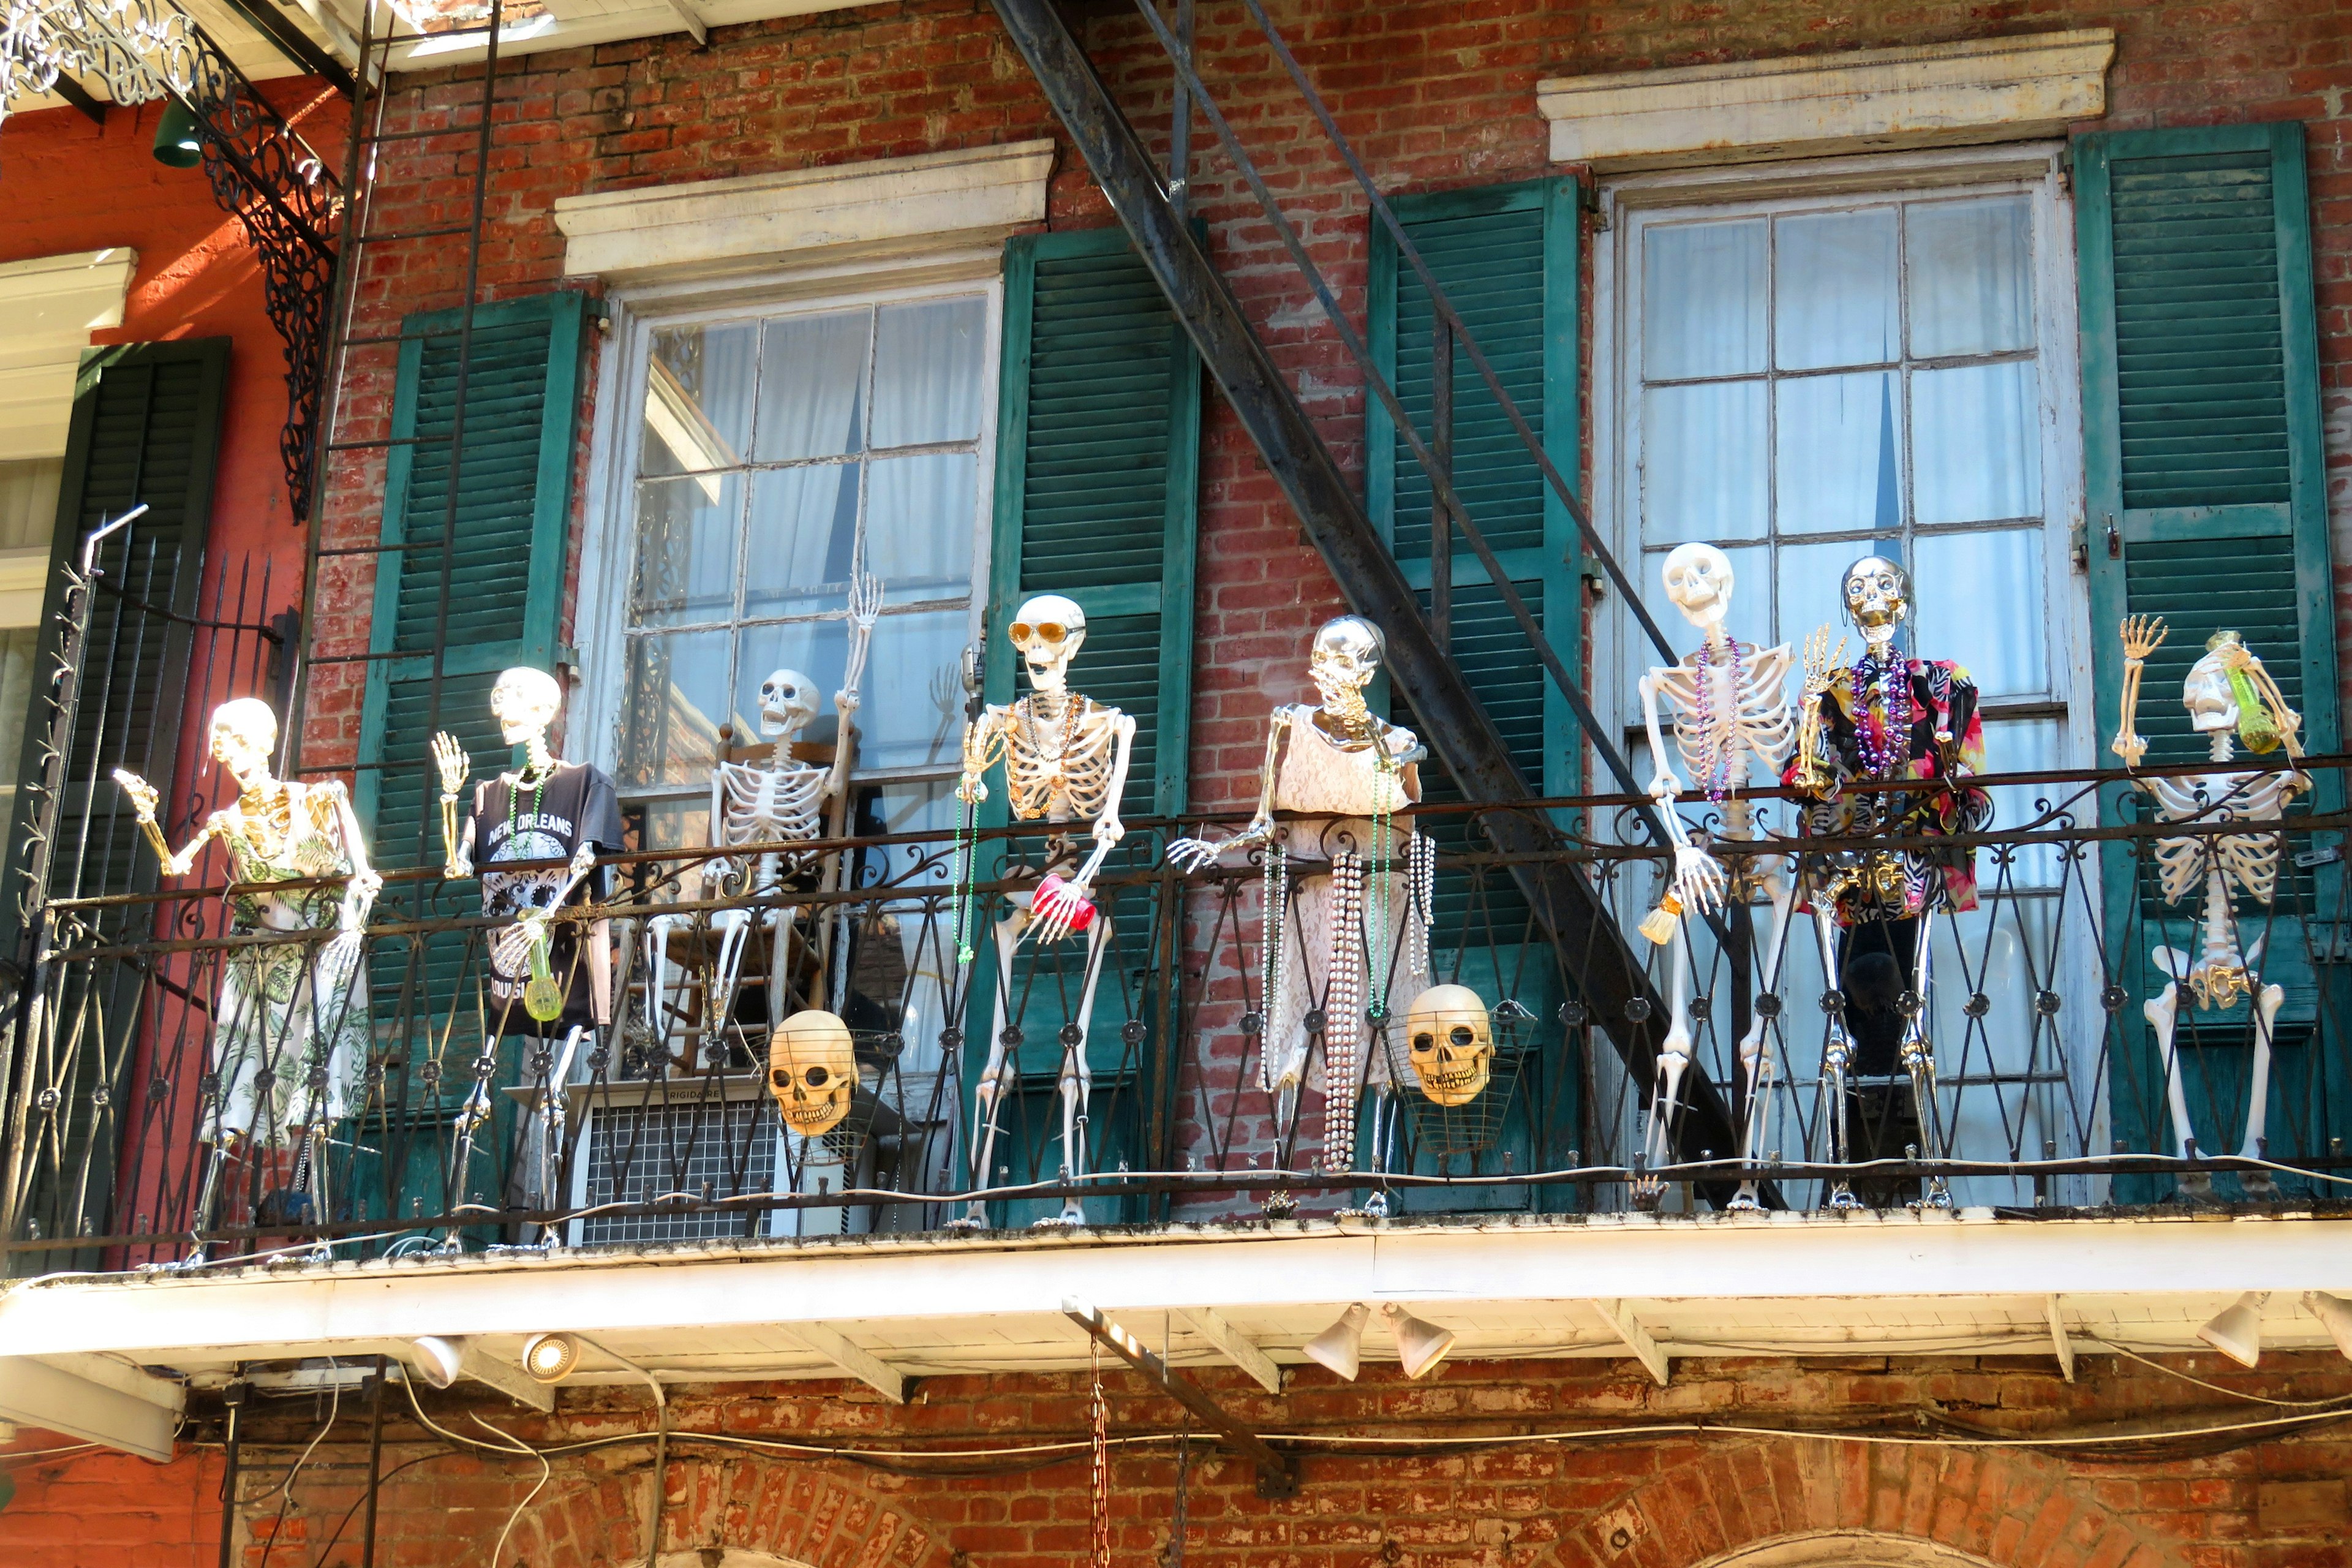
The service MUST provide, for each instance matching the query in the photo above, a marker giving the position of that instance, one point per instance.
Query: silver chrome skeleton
(781, 803)
(1342, 771)
(2226, 865)
(1066, 759)
(1730, 705)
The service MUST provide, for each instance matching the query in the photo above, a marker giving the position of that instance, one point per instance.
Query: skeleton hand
(450, 760)
(865, 602)
(971, 790)
(2142, 636)
(1699, 878)
(359, 898)
(1055, 912)
(1822, 663)
(141, 793)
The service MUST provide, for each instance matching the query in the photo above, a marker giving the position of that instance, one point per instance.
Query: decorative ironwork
(262, 172)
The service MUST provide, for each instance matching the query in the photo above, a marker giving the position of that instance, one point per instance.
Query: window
(778, 453)
(1804, 367)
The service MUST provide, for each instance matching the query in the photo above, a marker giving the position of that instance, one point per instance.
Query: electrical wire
(12, 1456)
(2341, 1400)
(286, 1483)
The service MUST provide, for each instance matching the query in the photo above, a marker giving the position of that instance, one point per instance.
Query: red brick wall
(1667, 1501)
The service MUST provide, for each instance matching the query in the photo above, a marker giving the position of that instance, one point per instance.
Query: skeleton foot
(1745, 1200)
(2259, 1187)
(1842, 1197)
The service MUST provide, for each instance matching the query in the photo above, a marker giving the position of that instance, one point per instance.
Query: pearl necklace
(1718, 763)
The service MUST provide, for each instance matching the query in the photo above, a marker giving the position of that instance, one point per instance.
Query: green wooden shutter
(1098, 483)
(1506, 258)
(146, 428)
(503, 601)
(2206, 504)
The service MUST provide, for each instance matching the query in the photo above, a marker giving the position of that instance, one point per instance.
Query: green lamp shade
(176, 142)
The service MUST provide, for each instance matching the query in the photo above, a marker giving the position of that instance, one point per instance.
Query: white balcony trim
(48, 307)
(95, 1399)
(887, 1307)
(577, 23)
(1981, 90)
(893, 206)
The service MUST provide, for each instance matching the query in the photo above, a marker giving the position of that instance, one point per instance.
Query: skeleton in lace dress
(1352, 937)
(290, 1026)
(2229, 697)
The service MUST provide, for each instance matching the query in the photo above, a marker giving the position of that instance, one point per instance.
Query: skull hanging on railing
(1453, 1043)
(811, 1071)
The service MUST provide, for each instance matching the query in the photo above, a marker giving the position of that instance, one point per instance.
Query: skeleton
(1730, 704)
(812, 1071)
(2227, 691)
(1348, 773)
(525, 702)
(783, 802)
(1878, 594)
(291, 1021)
(1066, 759)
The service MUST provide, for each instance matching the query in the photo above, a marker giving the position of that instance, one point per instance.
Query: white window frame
(1620, 651)
(609, 542)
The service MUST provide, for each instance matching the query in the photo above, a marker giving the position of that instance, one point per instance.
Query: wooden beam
(2058, 1339)
(1278, 1474)
(853, 1359)
(693, 21)
(1238, 1350)
(1620, 1317)
(94, 1398)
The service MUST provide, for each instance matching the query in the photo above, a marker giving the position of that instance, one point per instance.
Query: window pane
(812, 386)
(1807, 589)
(1835, 455)
(927, 372)
(1703, 299)
(1975, 443)
(676, 700)
(1702, 462)
(686, 531)
(919, 517)
(2021, 746)
(817, 650)
(1971, 276)
(1750, 620)
(1984, 607)
(914, 689)
(698, 398)
(1834, 295)
(804, 529)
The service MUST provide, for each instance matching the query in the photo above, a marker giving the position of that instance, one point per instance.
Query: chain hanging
(1101, 1479)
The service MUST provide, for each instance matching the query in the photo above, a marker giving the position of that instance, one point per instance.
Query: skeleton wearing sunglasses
(1066, 759)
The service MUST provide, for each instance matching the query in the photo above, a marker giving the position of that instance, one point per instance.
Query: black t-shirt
(576, 805)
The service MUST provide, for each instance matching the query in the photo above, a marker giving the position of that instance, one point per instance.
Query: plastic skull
(811, 1071)
(787, 703)
(245, 738)
(1347, 653)
(1878, 595)
(525, 702)
(1047, 631)
(1698, 580)
(1453, 1043)
(2206, 693)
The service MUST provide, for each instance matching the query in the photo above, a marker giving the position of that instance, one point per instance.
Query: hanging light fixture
(1341, 1347)
(1420, 1345)
(177, 143)
(2335, 1314)
(441, 1357)
(2237, 1330)
(550, 1358)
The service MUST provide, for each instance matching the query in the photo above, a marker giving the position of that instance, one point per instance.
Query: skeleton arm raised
(865, 610)
(450, 761)
(2141, 636)
(143, 802)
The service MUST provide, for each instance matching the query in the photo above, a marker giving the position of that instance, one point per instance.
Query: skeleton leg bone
(2163, 1015)
(1756, 1067)
(1919, 1059)
(1077, 1079)
(1837, 1052)
(1673, 1057)
(2258, 1183)
(988, 1093)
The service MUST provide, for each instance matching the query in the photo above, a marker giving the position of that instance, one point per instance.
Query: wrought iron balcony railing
(180, 1093)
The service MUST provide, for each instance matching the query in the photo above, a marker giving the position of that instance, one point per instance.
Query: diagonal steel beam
(1458, 728)
(1277, 1474)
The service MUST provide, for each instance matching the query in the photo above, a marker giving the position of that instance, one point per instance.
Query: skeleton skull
(2206, 693)
(525, 702)
(1698, 580)
(245, 738)
(1048, 631)
(787, 703)
(1878, 595)
(811, 1071)
(1453, 1043)
(1346, 655)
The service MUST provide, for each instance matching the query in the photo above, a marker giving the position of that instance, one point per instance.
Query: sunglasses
(1044, 631)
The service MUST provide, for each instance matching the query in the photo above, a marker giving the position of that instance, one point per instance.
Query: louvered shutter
(1506, 258)
(449, 637)
(1098, 467)
(146, 428)
(2206, 504)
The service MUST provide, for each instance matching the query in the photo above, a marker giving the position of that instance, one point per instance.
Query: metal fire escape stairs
(1616, 990)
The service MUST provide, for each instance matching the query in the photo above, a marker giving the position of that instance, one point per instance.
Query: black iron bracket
(1277, 1473)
